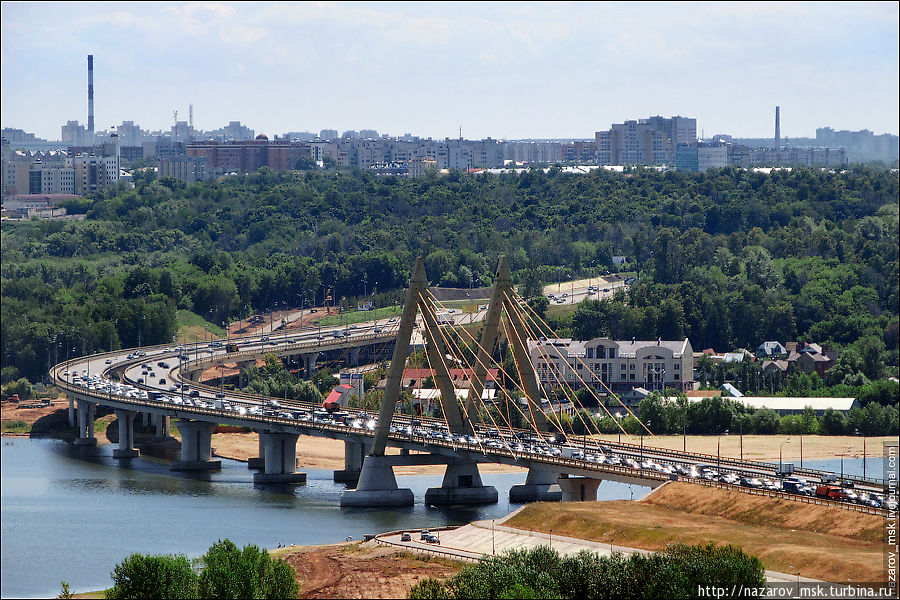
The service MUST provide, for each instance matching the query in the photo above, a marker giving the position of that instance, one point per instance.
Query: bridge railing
(426, 441)
(795, 497)
(729, 461)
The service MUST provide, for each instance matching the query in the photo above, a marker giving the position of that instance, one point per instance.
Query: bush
(542, 573)
(248, 573)
(153, 576)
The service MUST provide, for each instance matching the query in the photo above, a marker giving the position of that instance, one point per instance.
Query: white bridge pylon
(462, 482)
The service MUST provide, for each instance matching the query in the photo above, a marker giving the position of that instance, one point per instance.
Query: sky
(504, 70)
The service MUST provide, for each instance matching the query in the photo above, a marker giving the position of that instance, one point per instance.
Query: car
(405, 537)
(194, 394)
(425, 533)
(162, 381)
(433, 539)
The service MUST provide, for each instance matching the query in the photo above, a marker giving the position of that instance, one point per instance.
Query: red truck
(832, 492)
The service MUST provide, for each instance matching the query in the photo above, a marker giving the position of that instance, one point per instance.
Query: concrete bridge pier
(245, 364)
(309, 361)
(86, 412)
(354, 455)
(539, 486)
(462, 485)
(126, 447)
(280, 452)
(163, 425)
(579, 489)
(196, 450)
(377, 485)
(258, 461)
(71, 412)
(354, 356)
(145, 419)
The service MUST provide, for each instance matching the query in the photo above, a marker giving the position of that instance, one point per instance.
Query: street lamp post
(493, 548)
(719, 451)
(779, 453)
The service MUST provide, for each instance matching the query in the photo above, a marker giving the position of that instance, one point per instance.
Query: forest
(729, 258)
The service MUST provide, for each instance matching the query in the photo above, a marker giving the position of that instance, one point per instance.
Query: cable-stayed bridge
(467, 431)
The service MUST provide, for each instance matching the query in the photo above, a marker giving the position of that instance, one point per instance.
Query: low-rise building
(618, 365)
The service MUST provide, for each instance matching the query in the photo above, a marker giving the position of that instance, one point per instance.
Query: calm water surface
(72, 514)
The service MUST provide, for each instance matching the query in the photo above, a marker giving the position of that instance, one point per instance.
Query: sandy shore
(766, 447)
(322, 453)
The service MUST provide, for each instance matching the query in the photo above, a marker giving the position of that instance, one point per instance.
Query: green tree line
(727, 258)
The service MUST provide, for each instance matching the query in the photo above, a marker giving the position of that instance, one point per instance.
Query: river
(72, 513)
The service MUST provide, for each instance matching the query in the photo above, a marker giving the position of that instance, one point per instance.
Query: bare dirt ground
(817, 541)
(765, 447)
(48, 421)
(361, 570)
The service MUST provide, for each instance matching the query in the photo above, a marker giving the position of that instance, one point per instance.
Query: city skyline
(538, 71)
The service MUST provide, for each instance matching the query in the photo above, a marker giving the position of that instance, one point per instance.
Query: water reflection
(73, 513)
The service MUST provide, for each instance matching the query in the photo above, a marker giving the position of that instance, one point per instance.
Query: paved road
(480, 538)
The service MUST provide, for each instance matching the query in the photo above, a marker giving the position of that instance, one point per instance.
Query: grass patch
(15, 427)
(192, 327)
(360, 316)
(413, 558)
(351, 548)
(561, 310)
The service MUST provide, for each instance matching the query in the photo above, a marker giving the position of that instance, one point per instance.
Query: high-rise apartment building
(650, 141)
(249, 155)
(94, 172)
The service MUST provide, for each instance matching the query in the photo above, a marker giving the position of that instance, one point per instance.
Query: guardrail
(731, 462)
(431, 550)
(796, 497)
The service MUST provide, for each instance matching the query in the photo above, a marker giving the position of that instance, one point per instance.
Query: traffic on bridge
(163, 382)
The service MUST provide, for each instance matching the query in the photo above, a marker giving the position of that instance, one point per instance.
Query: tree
(249, 573)
(834, 422)
(306, 163)
(153, 576)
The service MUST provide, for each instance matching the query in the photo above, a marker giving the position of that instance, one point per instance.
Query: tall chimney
(91, 93)
(777, 126)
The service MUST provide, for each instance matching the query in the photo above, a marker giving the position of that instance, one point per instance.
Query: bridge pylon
(377, 484)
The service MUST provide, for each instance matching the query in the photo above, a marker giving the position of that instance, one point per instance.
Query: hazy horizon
(535, 70)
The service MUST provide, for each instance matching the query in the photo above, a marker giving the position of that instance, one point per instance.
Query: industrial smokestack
(90, 93)
(777, 126)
